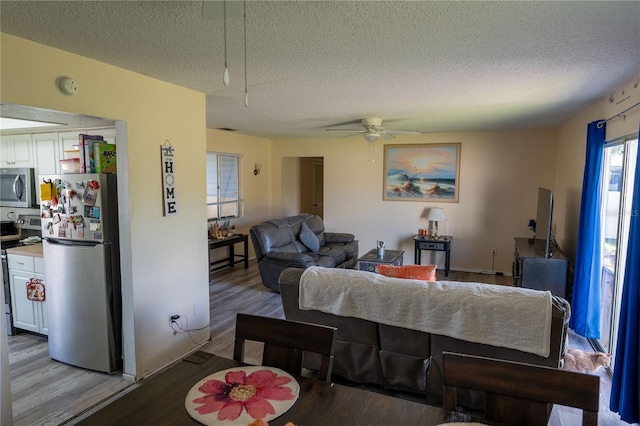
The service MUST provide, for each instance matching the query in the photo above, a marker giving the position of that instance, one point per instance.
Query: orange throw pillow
(415, 272)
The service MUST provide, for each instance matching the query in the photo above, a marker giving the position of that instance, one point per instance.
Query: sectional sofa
(406, 359)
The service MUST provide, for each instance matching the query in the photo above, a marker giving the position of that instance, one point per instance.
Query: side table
(443, 243)
(369, 260)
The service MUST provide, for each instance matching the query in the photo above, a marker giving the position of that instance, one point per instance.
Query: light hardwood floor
(46, 392)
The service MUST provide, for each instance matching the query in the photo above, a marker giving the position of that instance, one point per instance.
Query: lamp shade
(436, 214)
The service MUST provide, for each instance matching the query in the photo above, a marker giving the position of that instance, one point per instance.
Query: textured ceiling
(422, 65)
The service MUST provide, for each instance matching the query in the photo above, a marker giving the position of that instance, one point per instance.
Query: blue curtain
(625, 387)
(585, 299)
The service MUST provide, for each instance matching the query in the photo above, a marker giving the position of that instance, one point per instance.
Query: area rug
(239, 396)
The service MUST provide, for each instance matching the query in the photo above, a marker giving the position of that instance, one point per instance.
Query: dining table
(160, 400)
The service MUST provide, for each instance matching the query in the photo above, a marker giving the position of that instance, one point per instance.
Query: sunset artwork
(425, 172)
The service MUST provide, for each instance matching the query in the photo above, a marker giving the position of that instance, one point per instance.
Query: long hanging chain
(246, 95)
(225, 78)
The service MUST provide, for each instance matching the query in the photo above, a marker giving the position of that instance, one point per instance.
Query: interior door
(318, 186)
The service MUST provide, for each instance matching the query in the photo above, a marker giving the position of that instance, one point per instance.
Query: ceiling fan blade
(387, 135)
(345, 130)
(403, 132)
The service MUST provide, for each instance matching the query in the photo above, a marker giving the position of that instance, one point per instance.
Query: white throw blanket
(509, 317)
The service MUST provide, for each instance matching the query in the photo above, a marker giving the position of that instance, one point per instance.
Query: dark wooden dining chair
(517, 393)
(285, 342)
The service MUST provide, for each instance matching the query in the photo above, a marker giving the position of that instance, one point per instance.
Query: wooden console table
(443, 243)
(533, 269)
(229, 261)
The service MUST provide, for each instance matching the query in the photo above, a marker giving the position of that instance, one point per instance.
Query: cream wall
(164, 265)
(500, 174)
(256, 189)
(571, 157)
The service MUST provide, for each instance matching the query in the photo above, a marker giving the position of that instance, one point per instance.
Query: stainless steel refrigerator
(82, 269)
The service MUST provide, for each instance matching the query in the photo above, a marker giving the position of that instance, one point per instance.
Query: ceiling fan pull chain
(246, 95)
(225, 79)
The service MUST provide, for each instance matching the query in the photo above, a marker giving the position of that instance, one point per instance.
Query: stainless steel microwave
(17, 187)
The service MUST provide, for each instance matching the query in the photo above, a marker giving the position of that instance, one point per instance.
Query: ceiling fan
(372, 130)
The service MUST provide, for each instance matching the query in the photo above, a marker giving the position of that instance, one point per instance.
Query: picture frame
(422, 172)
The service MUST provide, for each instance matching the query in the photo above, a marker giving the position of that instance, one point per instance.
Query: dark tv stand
(535, 269)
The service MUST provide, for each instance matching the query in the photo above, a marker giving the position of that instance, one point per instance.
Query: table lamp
(436, 214)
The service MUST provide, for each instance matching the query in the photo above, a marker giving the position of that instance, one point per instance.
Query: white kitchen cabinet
(16, 151)
(45, 146)
(27, 314)
(43, 151)
(108, 134)
(68, 141)
(49, 149)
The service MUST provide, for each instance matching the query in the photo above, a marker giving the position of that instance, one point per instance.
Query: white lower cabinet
(27, 314)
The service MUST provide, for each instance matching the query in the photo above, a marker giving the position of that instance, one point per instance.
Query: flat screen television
(543, 219)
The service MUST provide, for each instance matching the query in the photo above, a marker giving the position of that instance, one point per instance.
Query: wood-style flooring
(47, 392)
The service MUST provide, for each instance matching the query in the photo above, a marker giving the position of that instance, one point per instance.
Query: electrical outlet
(493, 251)
(173, 318)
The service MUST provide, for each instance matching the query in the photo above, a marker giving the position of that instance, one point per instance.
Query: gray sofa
(299, 242)
(404, 359)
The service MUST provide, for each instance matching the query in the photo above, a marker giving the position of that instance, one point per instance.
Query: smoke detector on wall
(68, 86)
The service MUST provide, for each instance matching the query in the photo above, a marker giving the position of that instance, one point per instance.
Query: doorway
(312, 185)
(43, 390)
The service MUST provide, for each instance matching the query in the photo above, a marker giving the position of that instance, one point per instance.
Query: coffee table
(370, 260)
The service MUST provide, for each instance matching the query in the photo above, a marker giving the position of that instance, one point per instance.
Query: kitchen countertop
(11, 237)
(33, 250)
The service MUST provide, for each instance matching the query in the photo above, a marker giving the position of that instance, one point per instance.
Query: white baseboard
(129, 377)
(480, 271)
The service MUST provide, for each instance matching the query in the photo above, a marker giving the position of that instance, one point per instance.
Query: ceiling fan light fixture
(371, 136)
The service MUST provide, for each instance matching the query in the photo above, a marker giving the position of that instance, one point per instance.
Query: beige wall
(164, 266)
(571, 157)
(256, 189)
(500, 174)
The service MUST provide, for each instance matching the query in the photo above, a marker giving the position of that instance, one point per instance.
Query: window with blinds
(223, 185)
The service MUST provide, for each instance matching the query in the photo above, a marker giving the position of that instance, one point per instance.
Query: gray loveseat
(408, 360)
(299, 242)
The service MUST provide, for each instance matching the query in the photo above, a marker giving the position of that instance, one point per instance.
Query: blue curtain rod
(618, 115)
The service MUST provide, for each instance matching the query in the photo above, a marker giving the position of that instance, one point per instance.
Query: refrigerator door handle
(59, 242)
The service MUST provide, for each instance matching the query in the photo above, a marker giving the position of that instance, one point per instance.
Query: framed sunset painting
(422, 172)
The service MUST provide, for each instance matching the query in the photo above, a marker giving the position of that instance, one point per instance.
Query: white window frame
(224, 198)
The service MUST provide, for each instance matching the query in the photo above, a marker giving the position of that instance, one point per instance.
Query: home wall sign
(167, 158)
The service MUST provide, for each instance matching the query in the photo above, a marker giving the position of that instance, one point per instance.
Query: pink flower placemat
(238, 396)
